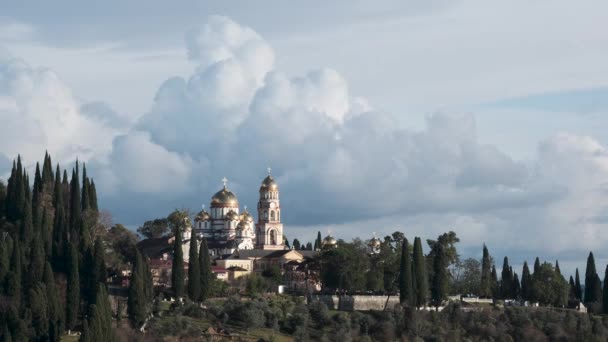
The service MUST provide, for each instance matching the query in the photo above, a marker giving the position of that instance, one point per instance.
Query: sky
(489, 119)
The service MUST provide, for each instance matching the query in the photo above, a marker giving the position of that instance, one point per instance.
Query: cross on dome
(269, 169)
(225, 181)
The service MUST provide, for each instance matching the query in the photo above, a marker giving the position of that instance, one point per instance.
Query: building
(238, 243)
(227, 230)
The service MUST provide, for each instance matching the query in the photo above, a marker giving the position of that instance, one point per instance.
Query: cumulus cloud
(340, 162)
(38, 111)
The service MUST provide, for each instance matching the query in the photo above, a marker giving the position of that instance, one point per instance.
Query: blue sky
(420, 116)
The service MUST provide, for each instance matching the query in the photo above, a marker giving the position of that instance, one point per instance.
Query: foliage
(177, 219)
(466, 277)
(406, 281)
(549, 287)
(194, 271)
(154, 228)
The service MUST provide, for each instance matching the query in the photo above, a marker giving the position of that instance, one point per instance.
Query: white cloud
(38, 111)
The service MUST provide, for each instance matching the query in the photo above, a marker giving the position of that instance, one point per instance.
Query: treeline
(52, 270)
(396, 266)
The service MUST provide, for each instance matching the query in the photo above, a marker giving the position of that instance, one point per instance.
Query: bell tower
(269, 230)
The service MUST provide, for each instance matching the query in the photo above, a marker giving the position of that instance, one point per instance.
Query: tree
(485, 289)
(122, 242)
(39, 309)
(406, 293)
(318, 241)
(549, 288)
(420, 274)
(154, 229)
(137, 303)
(577, 286)
(194, 271)
(286, 242)
(439, 287)
(467, 277)
(340, 266)
(515, 287)
(309, 246)
(296, 244)
(506, 280)
(55, 312)
(605, 293)
(526, 282)
(206, 274)
(494, 282)
(590, 275)
(177, 269)
(73, 291)
(100, 318)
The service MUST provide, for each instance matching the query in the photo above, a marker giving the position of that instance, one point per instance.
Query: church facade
(227, 229)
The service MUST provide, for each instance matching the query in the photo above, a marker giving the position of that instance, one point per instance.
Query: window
(272, 218)
(273, 237)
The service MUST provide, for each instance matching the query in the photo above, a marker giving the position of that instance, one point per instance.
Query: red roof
(218, 269)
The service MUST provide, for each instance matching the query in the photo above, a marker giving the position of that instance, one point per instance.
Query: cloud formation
(340, 162)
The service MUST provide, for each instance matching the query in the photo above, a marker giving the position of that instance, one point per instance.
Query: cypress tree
(14, 286)
(206, 274)
(557, 270)
(526, 282)
(85, 199)
(406, 294)
(439, 288)
(73, 291)
(485, 288)
(536, 265)
(100, 318)
(85, 336)
(60, 227)
(571, 289)
(4, 260)
(605, 292)
(194, 271)
(420, 274)
(590, 275)
(177, 269)
(318, 241)
(577, 286)
(47, 232)
(37, 262)
(75, 212)
(516, 287)
(36, 200)
(296, 244)
(494, 282)
(93, 196)
(136, 303)
(55, 312)
(27, 226)
(39, 309)
(506, 280)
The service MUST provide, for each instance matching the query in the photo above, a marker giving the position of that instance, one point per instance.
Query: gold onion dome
(232, 216)
(202, 216)
(246, 217)
(374, 242)
(225, 197)
(329, 241)
(269, 184)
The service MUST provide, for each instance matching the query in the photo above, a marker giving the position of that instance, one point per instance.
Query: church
(227, 229)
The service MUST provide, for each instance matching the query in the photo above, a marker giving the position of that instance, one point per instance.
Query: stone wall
(358, 302)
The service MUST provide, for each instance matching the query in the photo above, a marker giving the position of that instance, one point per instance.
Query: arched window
(272, 218)
(266, 214)
(273, 237)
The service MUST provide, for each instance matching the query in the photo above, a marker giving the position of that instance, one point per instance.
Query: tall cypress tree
(420, 274)
(100, 318)
(571, 289)
(206, 274)
(14, 281)
(137, 304)
(526, 282)
(506, 280)
(55, 311)
(60, 227)
(406, 293)
(177, 269)
(605, 292)
(318, 241)
(27, 225)
(93, 196)
(85, 198)
(73, 291)
(557, 270)
(494, 283)
(536, 265)
(485, 288)
(75, 212)
(39, 311)
(439, 287)
(194, 271)
(590, 275)
(516, 287)
(578, 287)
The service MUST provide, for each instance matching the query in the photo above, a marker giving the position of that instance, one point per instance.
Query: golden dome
(375, 242)
(269, 184)
(231, 215)
(202, 216)
(224, 197)
(329, 241)
(246, 217)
